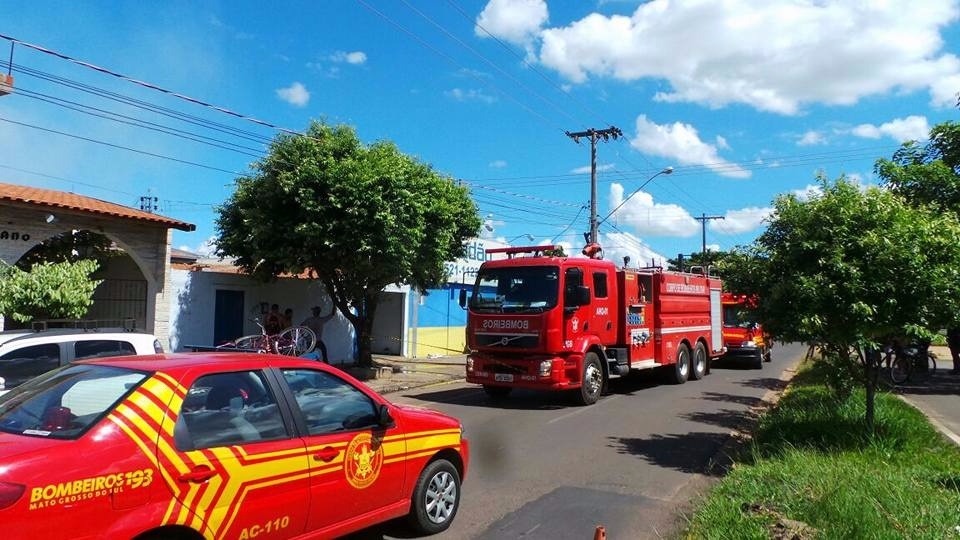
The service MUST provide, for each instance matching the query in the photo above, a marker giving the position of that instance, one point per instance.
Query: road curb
(935, 422)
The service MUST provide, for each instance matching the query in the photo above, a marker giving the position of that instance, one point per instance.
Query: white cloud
(616, 245)
(356, 57)
(808, 192)
(741, 221)
(470, 94)
(207, 249)
(911, 128)
(648, 218)
(498, 164)
(296, 94)
(517, 21)
(680, 142)
(811, 138)
(764, 54)
(586, 168)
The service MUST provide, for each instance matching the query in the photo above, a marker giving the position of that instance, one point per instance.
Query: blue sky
(745, 100)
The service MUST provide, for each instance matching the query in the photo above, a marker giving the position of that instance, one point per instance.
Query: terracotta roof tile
(70, 201)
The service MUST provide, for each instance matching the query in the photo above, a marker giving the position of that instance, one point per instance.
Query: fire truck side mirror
(463, 298)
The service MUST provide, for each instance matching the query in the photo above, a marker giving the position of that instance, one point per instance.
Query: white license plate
(503, 377)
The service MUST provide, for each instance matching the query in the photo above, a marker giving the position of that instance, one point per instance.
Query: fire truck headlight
(545, 367)
(749, 344)
(469, 364)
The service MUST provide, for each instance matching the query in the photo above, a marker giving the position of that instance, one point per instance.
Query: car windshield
(64, 403)
(516, 289)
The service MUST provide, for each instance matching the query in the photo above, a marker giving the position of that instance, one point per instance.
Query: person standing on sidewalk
(316, 323)
(953, 341)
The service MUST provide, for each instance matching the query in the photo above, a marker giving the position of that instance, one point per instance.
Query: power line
(112, 145)
(457, 63)
(146, 84)
(61, 179)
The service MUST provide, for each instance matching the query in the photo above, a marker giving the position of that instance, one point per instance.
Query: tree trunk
(871, 367)
(364, 330)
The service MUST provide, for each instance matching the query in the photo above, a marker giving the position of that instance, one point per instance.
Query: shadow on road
(686, 452)
(726, 418)
(767, 383)
(397, 528)
(940, 383)
(749, 401)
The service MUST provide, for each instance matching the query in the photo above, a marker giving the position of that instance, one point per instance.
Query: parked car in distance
(25, 354)
(219, 445)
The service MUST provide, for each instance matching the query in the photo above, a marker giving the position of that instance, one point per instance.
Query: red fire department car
(219, 445)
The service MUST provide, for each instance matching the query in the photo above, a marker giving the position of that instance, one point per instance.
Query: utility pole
(703, 223)
(594, 135)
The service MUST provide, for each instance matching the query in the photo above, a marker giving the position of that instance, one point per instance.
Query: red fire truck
(743, 336)
(548, 322)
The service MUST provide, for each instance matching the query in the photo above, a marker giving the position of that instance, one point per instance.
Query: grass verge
(812, 471)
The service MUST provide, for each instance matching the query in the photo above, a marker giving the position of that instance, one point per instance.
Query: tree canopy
(851, 269)
(47, 290)
(357, 217)
(927, 174)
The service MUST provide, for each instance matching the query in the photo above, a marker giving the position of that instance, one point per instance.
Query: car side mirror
(383, 416)
(463, 298)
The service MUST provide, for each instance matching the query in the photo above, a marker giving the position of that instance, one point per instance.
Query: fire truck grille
(512, 341)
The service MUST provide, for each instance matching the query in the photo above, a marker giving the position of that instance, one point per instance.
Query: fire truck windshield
(516, 289)
(736, 315)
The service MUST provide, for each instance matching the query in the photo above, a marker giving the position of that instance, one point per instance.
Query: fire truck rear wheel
(681, 369)
(699, 362)
(497, 391)
(591, 384)
(758, 360)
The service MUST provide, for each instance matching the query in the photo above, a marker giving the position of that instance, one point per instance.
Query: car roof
(174, 363)
(59, 335)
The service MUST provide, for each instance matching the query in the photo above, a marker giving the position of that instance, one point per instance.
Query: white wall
(194, 297)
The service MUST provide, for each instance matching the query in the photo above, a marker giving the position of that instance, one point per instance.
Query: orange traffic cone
(600, 533)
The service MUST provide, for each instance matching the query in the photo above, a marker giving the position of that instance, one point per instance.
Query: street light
(668, 170)
(528, 236)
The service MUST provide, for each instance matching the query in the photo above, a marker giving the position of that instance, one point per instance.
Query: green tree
(48, 290)
(850, 269)
(927, 174)
(356, 217)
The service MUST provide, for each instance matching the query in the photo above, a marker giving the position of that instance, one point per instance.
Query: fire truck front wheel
(681, 370)
(497, 391)
(591, 384)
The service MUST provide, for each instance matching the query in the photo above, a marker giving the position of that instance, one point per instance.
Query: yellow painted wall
(438, 341)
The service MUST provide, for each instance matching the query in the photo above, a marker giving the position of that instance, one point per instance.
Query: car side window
(20, 365)
(328, 403)
(96, 348)
(225, 409)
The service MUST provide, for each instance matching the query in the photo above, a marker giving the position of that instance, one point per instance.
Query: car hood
(427, 419)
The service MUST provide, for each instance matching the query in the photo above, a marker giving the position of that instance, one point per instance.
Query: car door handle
(326, 454)
(199, 474)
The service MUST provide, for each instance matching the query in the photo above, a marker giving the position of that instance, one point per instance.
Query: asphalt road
(543, 467)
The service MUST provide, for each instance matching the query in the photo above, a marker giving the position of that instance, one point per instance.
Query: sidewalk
(397, 373)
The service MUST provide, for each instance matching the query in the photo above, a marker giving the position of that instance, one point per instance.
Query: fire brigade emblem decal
(362, 461)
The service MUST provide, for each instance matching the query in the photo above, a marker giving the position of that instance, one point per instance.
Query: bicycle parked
(293, 341)
(901, 362)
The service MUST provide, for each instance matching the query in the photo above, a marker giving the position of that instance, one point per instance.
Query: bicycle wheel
(296, 340)
(900, 370)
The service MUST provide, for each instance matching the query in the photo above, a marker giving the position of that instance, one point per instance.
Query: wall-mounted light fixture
(50, 219)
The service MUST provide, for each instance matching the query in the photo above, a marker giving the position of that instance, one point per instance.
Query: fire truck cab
(540, 321)
(743, 336)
